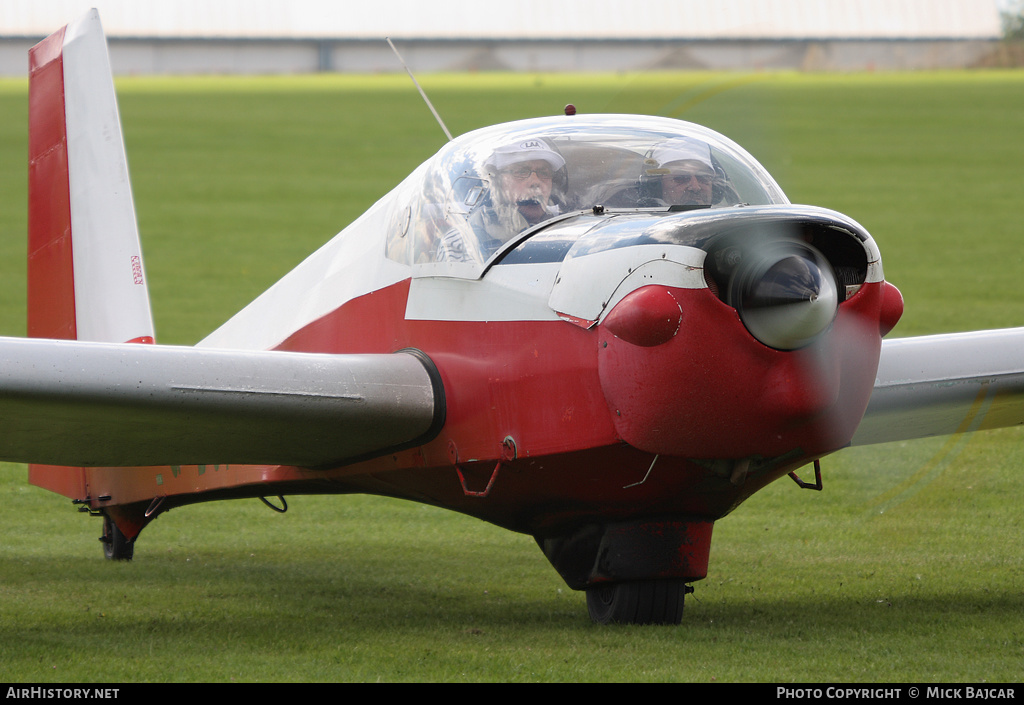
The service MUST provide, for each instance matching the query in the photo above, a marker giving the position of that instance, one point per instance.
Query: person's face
(687, 184)
(528, 185)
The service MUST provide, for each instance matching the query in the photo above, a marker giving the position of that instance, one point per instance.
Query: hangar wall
(302, 36)
(233, 56)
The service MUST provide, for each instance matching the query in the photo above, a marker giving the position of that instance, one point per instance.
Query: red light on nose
(647, 317)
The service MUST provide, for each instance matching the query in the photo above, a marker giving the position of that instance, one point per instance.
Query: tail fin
(86, 279)
(85, 275)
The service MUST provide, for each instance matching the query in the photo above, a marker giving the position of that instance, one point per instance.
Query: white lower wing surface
(944, 384)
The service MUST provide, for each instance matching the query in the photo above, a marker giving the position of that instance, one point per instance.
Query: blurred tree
(1012, 14)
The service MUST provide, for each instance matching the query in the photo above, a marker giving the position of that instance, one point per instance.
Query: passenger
(680, 172)
(522, 176)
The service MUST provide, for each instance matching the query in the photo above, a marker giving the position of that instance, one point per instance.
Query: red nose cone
(647, 317)
(711, 390)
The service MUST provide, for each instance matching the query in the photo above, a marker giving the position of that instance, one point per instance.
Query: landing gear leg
(637, 602)
(116, 547)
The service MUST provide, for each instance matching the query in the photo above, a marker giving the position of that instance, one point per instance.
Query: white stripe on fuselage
(507, 293)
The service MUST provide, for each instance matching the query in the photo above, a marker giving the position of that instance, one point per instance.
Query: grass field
(907, 568)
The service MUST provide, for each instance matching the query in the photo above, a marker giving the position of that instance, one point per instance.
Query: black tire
(116, 547)
(639, 602)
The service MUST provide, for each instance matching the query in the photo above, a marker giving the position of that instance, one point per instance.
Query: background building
(302, 36)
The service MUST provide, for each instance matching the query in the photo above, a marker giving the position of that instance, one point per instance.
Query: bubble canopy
(491, 186)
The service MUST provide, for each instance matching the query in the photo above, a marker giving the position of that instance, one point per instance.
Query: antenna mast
(420, 89)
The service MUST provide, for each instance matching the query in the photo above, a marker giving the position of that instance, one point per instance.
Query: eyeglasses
(522, 173)
(683, 179)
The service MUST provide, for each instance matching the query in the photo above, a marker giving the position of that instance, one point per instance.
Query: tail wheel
(638, 602)
(116, 547)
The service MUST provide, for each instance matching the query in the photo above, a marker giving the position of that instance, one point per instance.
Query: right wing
(101, 404)
(944, 384)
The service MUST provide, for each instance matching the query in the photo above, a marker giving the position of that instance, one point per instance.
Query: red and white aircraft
(602, 331)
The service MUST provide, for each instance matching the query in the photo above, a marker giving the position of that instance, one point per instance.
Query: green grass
(908, 567)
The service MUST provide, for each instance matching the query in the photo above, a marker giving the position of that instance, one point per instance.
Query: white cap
(525, 150)
(682, 149)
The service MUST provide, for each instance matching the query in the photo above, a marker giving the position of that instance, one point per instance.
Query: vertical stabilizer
(86, 278)
(85, 275)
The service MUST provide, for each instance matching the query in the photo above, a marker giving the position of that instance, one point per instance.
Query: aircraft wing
(99, 404)
(945, 384)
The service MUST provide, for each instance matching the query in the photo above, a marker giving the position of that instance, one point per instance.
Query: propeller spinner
(786, 294)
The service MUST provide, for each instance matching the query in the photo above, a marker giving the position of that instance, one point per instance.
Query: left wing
(944, 384)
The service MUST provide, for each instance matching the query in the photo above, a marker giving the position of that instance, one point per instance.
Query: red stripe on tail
(51, 282)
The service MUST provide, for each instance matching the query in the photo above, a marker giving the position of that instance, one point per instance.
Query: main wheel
(116, 547)
(638, 602)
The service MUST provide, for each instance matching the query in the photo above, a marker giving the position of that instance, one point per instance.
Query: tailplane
(86, 279)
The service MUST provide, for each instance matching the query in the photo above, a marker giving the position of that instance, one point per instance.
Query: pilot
(680, 172)
(523, 177)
